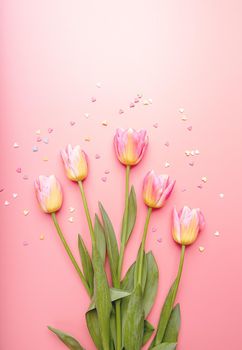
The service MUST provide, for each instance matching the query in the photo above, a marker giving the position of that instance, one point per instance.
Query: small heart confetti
(19, 170)
(155, 125)
(201, 249)
(139, 95)
(181, 110)
(131, 105)
(72, 122)
(104, 178)
(6, 203)
(184, 118)
(145, 102)
(98, 85)
(25, 177)
(50, 130)
(1, 189)
(107, 171)
(71, 219)
(37, 132)
(197, 152)
(72, 209)
(216, 233)
(104, 123)
(15, 195)
(221, 195)
(15, 145)
(121, 111)
(167, 143)
(45, 159)
(46, 140)
(86, 115)
(136, 100)
(87, 139)
(25, 243)
(39, 139)
(97, 156)
(189, 128)
(154, 229)
(191, 163)
(159, 240)
(35, 149)
(199, 186)
(93, 99)
(167, 165)
(26, 212)
(192, 153)
(41, 237)
(204, 179)
(187, 153)
(150, 101)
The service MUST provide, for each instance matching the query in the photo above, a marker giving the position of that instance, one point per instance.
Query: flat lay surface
(73, 72)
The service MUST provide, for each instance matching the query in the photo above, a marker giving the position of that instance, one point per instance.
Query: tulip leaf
(86, 263)
(128, 282)
(93, 327)
(113, 329)
(100, 238)
(67, 339)
(151, 283)
(165, 346)
(173, 326)
(102, 297)
(165, 315)
(148, 331)
(112, 246)
(115, 294)
(144, 269)
(133, 325)
(132, 211)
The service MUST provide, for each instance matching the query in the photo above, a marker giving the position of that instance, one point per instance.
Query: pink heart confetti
(25, 177)
(72, 123)
(159, 240)
(189, 128)
(155, 125)
(6, 203)
(136, 100)
(97, 156)
(131, 105)
(191, 163)
(154, 229)
(25, 243)
(139, 95)
(50, 130)
(19, 170)
(121, 111)
(15, 145)
(1, 189)
(181, 110)
(39, 139)
(107, 171)
(93, 99)
(104, 178)
(167, 144)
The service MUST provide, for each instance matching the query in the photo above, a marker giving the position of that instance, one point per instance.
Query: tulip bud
(130, 145)
(156, 189)
(48, 192)
(75, 162)
(186, 225)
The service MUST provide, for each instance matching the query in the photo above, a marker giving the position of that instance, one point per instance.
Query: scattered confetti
(86, 115)
(87, 139)
(97, 156)
(98, 85)
(37, 132)
(121, 111)
(39, 139)
(104, 123)
(204, 179)
(93, 99)
(136, 100)
(50, 130)
(181, 110)
(216, 233)
(107, 171)
(139, 95)
(167, 143)
(104, 178)
(19, 170)
(197, 152)
(2, 189)
(191, 163)
(131, 105)
(41, 237)
(187, 153)
(184, 118)
(15, 195)
(35, 149)
(201, 249)
(25, 243)
(45, 159)
(72, 209)
(154, 229)
(15, 145)
(159, 240)
(25, 177)
(6, 203)
(71, 219)
(155, 125)
(184, 190)
(150, 101)
(26, 212)
(192, 153)
(199, 186)
(221, 195)
(189, 128)
(46, 140)
(72, 122)
(167, 165)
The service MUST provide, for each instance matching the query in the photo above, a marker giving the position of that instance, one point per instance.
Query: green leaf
(148, 331)
(173, 326)
(113, 328)
(111, 242)
(151, 283)
(133, 325)
(100, 238)
(165, 346)
(144, 269)
(115, 294)
(67, 339)
(165, 315)
(102, 297)
(132, 211)
(86, 263)
(128, 282)
(93, 327)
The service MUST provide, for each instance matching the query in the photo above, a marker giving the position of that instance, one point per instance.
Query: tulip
(75, 162)
(130, 145)
(156, 189)
(48, 192)
(186, 225)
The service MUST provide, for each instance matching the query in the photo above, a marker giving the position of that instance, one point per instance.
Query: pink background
(178, 53)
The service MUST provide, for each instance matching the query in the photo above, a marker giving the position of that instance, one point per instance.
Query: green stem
(179, 273)
(140, 268)
(120, 262)
(89, 220)
(69, 252)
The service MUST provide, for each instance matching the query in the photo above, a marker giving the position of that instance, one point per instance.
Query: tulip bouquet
(117, 315)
